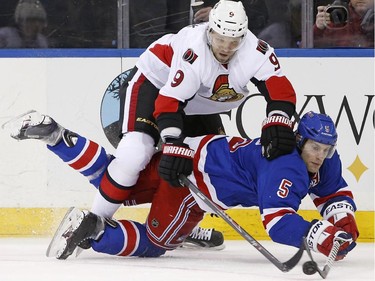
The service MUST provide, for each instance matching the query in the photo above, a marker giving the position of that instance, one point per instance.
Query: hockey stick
(283, 266)
(311, 266)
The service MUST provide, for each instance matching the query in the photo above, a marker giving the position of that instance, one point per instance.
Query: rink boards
(44, 222)
(72, 85)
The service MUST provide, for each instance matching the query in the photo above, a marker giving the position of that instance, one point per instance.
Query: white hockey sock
(102, 207)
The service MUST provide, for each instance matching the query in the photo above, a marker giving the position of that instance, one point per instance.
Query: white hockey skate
(207, 238)
(76, 228)
(33, 125)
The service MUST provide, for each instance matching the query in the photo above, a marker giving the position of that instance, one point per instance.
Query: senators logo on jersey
(222, 92)
(189, 56)
(262, 46)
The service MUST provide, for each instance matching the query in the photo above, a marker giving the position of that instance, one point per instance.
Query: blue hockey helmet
(317, 127)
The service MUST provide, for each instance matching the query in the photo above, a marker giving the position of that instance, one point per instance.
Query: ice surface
(24, 259)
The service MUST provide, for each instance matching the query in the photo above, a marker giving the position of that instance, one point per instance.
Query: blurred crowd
(94, 23)
(66, 23)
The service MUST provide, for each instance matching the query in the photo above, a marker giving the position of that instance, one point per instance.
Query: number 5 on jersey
(283, 190)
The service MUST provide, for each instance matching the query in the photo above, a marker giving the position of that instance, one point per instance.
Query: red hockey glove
(177, 159)
(277, 136)
(341, 214)
(322, 234)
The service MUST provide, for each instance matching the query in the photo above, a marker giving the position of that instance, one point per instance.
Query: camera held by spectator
(338, 12)
(345, 24)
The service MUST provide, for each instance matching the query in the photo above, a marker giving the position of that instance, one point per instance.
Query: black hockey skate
(207, 238)
(76, 228)
(33, 125)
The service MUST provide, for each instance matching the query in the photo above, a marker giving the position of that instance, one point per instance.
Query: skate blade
(15, 125)
(79, 250)
(58, 242)
(17, 119)
(192, 246)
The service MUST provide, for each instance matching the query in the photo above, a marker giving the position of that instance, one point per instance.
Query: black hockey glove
(277, 136)
(177, 159)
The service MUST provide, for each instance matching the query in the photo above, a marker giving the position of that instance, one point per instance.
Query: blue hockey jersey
(231, 171)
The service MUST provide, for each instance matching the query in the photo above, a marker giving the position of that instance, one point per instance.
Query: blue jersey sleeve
(289, 230)
(282, 184)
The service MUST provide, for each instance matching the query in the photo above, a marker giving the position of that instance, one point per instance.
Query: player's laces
(33, 125)
(205, 238)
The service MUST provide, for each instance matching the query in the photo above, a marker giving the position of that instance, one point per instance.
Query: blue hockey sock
(128, 238)
(85, 156)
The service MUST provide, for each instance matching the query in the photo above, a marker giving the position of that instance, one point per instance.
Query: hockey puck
(310, 267)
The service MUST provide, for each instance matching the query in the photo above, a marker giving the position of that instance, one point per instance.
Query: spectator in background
(30, 19)
(269, 20)
(357, 32)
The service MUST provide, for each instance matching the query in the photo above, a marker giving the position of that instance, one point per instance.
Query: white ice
(24, 259)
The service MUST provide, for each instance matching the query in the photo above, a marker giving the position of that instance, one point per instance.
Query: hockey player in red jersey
(231, 171)
(203, 70)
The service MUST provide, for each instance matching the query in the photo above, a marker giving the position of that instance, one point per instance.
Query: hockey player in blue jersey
(232, 172)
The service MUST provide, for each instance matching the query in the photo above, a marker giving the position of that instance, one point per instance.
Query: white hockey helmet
(228, 18)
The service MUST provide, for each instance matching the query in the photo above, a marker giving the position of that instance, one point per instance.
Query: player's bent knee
(133, 153)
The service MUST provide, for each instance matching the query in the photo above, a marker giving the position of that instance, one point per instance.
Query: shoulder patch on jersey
(189, 56)
(314, 179)
(262, 46)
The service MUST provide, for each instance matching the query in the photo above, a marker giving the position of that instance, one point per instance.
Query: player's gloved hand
(341, 214)
(177, 159)
(322, 234)
(277, 136)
